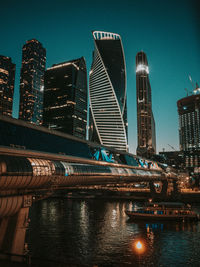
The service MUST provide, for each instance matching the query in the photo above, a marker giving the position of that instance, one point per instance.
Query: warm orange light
(139, 245)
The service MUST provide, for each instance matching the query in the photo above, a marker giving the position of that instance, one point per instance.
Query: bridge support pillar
(167, 189)
(3, 227)
(13, 232)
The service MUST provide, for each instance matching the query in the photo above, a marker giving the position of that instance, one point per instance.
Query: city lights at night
(100, 133)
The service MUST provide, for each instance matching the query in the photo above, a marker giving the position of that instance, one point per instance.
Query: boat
(161, 211)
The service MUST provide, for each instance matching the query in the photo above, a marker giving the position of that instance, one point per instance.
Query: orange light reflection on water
(139, 247)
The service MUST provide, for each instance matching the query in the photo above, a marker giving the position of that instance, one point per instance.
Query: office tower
(65, 97)
(189, 128)
(107, 88)
(32, 82)
(145, 119)
(7, 80)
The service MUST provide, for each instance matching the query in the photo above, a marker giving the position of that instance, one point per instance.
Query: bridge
(26, 175)
(36, 161)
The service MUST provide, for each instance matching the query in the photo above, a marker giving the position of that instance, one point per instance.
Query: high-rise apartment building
(189, 129)
(65, 97)
(7, 80)
(107, 88)
(145, 119)
(189, 122)
(32, 81)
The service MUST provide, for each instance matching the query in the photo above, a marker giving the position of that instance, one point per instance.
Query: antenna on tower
(190, 78)
(186, 91)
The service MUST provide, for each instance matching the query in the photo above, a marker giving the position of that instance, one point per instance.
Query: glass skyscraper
(32, 82)
(107, 88)
(189, 129)
(189, 122)
(65, 97)
(145, 119)
(7, 80)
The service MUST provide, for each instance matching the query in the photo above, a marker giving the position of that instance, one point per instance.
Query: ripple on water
(89, 232)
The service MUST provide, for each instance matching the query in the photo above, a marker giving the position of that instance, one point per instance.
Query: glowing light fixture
(196, 91)
(139, 245)
(142, 67)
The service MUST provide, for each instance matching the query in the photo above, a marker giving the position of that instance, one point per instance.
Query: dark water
(98, 233)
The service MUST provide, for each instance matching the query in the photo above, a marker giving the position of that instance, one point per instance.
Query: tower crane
(172, 147)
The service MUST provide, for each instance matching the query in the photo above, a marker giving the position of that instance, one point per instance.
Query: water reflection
(97, 232)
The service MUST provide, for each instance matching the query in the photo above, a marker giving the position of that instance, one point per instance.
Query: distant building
(65, 98)
(189, 129)
(107, 87)
(145, 119)
(171, 158)
(32, 82)
(7, 80)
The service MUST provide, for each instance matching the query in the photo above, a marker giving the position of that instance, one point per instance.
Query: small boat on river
(172, 211)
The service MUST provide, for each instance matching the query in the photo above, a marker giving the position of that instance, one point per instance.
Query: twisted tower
(107, 89)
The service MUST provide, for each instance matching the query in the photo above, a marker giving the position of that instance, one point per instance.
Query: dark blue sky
(168, 31)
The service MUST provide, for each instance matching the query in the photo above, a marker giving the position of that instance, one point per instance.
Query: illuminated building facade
(32, 82)
(145, 119)
(107, 88)
(189, 129)
(7, 80)
(65, 98)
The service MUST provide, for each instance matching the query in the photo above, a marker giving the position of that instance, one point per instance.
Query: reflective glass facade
(145, 119)
(32, 82)
(65, 98)
(108, 91)
(19, 134)
(22, 135)
(7, 80)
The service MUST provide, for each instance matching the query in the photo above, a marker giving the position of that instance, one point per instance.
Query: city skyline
(172, 47)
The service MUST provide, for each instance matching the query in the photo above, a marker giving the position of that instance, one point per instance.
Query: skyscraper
(107, 88)
(145, 119)
(32, 81)
(189, 122)
(189, 129)
(7, 80)
(65, 97)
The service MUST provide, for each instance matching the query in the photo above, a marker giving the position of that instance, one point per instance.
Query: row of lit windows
(4, 71)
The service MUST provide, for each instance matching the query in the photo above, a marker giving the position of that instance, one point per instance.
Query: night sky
(168, 31)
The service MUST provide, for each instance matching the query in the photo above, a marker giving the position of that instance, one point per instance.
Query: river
(96, 232)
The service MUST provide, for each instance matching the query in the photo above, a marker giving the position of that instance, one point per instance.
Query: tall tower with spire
(145, 120)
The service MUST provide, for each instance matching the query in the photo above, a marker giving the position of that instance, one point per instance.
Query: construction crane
(190, 78)
(172, 147)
